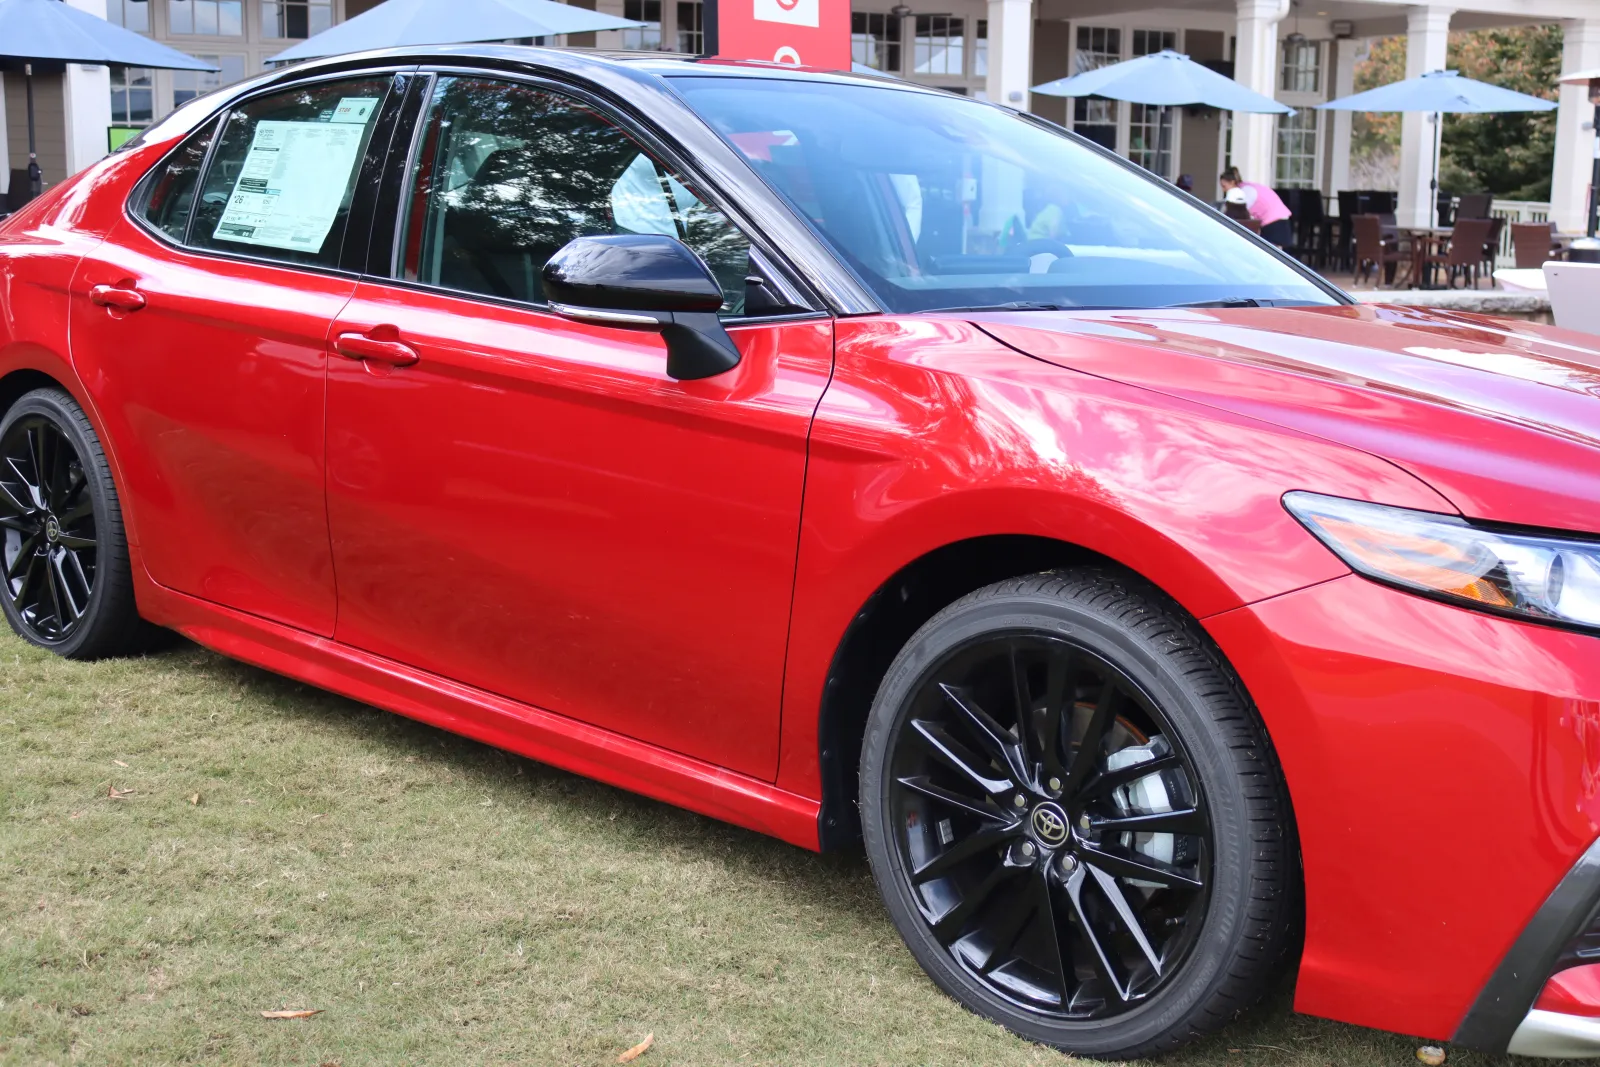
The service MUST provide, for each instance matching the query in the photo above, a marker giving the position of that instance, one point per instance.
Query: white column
(1255, 66)
(1010, 53)
(1575, 146)
(86, 104)
(1427, 40)
(1344, 83)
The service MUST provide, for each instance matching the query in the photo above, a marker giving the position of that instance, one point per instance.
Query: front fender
(932, 433)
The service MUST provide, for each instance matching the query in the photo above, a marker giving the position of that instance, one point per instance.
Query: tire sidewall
(1223, 793)
(61, 410)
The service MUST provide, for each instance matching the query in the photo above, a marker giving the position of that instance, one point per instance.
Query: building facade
(1302, 52)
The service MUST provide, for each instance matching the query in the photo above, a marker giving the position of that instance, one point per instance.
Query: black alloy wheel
(1074, 816)
(65, 579)
(1050, 824)
(47, 513)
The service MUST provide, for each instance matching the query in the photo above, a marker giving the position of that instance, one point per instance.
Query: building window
(1097, 46)
(939, 45)
(1149, 42)
(646, 38)
(1150, 138)
(188, 84)
(691, 27)
(875, 40)
(132, 96)
(129, 14)
(1302, 67)
(206, 18)
(980, 50)
(1296, 165)
(295, 19)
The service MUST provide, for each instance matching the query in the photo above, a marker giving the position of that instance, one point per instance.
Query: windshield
(940, 202)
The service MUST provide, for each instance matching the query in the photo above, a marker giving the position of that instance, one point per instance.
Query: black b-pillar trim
(1515, 984)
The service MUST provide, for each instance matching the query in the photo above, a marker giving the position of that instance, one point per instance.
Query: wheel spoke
(1098, 959)
(1004, 935)
(25, 557)
(74, 542)
(1056, 946)
(83, 576)
(1119, 903)
(1024, 704)
(1180, 821)
(924, 785)
(30, 581)
(1106, 781)
(957, 757)
(1088, 751)
(37, 453)
(55, 593)
(1054, 714)
(974, 844)
(63, 592)
(9, 501)
(1000, 743)
(1141, 868)
(948, 926)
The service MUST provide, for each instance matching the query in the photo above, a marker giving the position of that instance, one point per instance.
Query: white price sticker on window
(294, 179)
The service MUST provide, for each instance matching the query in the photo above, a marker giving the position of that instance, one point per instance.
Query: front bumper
(1444, 767)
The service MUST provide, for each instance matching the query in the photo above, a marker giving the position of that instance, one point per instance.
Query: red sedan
(854, 462)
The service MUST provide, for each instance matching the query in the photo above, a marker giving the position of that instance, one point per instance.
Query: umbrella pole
(35, 176)
(1433, 186)
(1594, 177)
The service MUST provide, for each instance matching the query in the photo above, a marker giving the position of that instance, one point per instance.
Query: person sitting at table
(1265, 206)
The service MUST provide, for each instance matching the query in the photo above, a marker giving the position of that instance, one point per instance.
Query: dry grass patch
(187, 842)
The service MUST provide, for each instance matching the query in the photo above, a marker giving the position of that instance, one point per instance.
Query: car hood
(1501, 417)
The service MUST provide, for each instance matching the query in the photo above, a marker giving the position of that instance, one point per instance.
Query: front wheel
(65, 579)
(1075, 818)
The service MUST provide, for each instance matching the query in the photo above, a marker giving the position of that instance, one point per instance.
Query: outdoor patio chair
(1374, 251)
(1491, 247)
(1534, 243)
(1465, 254)
(1474, 206)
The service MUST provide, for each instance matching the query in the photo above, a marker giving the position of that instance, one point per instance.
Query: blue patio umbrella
(1439, 92)
(1166, 78)
(49, 30)
(398, 23)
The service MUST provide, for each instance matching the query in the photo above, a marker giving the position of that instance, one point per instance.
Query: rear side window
(165, 197)
(507, 174)
(282, 177)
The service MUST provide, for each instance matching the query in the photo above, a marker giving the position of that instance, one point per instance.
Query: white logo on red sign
(793, 12)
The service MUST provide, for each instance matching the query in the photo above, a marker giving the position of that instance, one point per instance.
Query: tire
(65, 579)
(997, 860)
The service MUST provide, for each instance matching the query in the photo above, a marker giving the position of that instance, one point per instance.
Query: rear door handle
(118, 297)
(378, 350)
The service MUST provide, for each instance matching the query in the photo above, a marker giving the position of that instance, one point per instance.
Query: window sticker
(292, 182)
(354, 109)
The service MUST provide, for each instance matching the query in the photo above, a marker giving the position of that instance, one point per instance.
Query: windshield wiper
(1014, 305)
(1220, 302)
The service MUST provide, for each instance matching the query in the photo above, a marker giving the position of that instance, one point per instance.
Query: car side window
(507, 174)
(283, 174)
(165, 196)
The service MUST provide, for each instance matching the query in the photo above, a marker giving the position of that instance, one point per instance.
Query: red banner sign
(801, 33)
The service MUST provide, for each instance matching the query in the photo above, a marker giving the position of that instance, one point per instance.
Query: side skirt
(528, 731)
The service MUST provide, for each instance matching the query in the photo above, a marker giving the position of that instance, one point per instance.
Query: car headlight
(1550, 578)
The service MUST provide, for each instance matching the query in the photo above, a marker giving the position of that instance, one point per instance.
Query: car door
(529, 504)
(200, 328)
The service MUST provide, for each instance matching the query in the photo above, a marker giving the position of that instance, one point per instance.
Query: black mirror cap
(631, 272)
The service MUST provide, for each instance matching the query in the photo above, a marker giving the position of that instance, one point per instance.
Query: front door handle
(117, 297)
(377, 349)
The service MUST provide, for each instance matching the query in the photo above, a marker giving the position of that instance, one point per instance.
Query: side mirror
(649, 282)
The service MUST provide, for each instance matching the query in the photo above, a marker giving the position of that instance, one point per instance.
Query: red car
(854, 461)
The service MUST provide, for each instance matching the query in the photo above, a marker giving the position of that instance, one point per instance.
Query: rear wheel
(1074, 816)
(65, 579)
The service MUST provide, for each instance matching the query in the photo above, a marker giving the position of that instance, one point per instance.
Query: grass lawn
(440, 902)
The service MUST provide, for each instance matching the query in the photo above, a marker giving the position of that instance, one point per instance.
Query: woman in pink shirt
(1266, 207)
